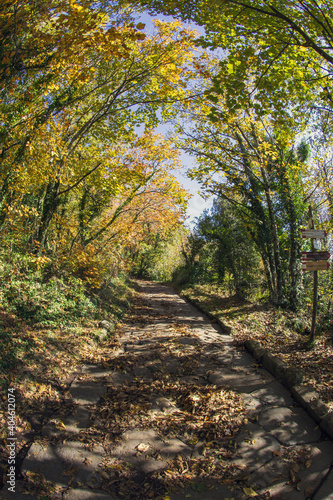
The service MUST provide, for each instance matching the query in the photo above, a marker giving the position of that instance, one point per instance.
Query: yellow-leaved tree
(77, 78)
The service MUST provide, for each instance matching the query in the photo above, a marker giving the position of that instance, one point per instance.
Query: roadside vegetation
(49, 327)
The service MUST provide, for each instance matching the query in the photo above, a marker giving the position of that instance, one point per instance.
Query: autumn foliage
(78, 184)
(87, 185)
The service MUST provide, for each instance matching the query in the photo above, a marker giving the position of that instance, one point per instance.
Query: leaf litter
(206, 419)
(276, 330)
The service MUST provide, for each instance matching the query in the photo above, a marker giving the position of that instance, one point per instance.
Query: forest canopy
(87, 180)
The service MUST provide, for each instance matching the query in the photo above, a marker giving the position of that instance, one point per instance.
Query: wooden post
(315, 288)
(314, 307)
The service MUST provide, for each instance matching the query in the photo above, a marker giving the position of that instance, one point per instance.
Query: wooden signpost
(314, 261)
(320, 265)
(315, 256)
(314, 234)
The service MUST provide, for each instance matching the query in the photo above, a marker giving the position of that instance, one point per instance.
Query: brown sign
(315, 256)
(320, 265)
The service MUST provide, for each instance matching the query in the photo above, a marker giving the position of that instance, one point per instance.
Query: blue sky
(196, 204)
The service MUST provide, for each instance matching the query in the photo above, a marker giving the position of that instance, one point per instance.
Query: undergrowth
(50, 325)
(36, 307)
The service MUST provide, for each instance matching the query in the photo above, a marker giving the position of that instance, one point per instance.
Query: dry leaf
(309, 491)
(292, 475)
(142, 447)
(295, 467)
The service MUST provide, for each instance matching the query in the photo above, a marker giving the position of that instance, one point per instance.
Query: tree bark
(280, 281)
(50, 204)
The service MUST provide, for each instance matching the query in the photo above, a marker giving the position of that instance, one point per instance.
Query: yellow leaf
(250, 492)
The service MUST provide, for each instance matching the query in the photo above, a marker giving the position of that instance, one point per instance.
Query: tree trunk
(295, 252)
(263, 227)
(49, 207)
(295, 244)
(5, 199)
(280, 281)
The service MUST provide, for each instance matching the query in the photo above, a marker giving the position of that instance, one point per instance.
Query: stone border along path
(305, 395)
(276, 422)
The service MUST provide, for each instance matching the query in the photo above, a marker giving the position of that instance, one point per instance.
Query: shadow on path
(177, 410)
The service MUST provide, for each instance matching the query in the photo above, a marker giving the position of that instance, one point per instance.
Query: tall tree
(241, 160)
(121, 79)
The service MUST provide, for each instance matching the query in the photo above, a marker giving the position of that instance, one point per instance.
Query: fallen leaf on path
(250, 492)
(292, 476)
(142, 447)
(295, 467)
(309, 491)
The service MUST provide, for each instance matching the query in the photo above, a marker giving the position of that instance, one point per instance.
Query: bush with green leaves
(36, 297)
(220, 251)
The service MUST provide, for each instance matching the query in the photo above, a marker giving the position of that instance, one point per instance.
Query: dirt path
(177, 412)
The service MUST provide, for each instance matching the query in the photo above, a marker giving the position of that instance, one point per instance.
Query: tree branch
(80, 180)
